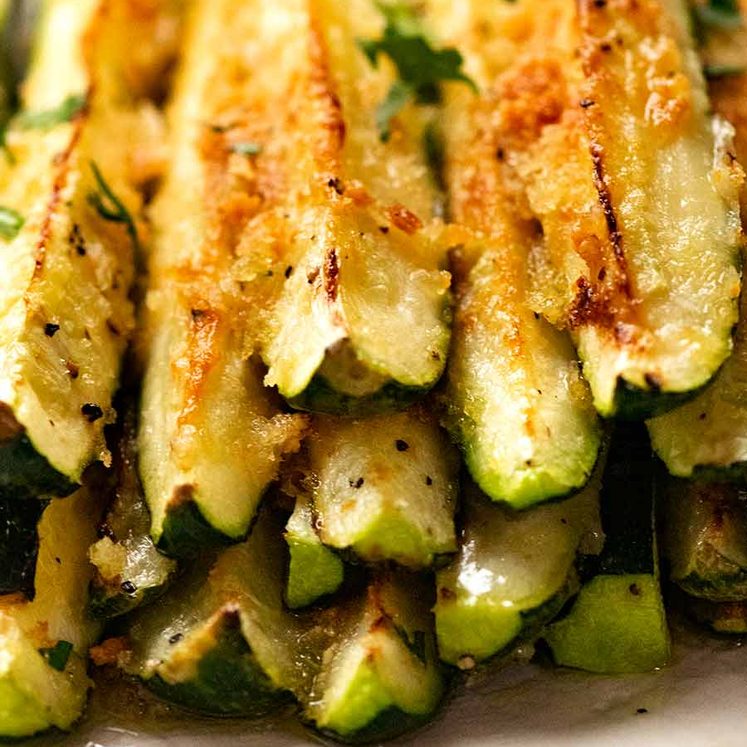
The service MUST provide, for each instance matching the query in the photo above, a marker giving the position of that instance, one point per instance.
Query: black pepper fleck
(50, 329)
(428, 480)
(128, 587)
(288, 271)
(92, 412)
(176, 638)
(356, 483)
(401, 445)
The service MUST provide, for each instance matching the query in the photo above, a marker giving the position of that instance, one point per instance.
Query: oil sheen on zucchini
(129, 571)
(707, 437)
(361, 322)
(224, 643)
(705, 539)
(385, 486)
(513, 573)
(65, 275)
(314, 570)
(617, 623)
(629, 175)
(44, 642)
(519, 407)
(211, 437)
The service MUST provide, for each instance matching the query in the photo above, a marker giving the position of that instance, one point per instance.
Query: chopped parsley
(110, 207)
(247, 148)
(420, 67)
(11, 223)
(58, 655)
(45, 120)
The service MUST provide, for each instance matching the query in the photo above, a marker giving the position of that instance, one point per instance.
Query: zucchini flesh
(617, 623)
(19, 544)
(513, 572)
(706, 437)
(65, 278)
(314, 570)
(519, 407)
(705, 539)
(129, 571)
(638, 200)
(34, 695)
(211, 438)
(361, 322)
(385, 487)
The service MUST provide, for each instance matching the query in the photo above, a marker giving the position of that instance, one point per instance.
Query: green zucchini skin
(19, 545)
(705, 539)
(634, 403)
(228, 681)
(319, 396)
(25, 473)
(617, 623)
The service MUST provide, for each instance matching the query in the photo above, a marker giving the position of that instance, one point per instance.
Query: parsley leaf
(420, 67)
(111, 208)
(58, 655)
(11, 223)
(45, 120)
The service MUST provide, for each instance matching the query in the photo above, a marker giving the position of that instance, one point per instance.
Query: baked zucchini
(380, 676)
(44, 642)
(222, 642)
(210, 436)
(385, 487)
(362, 319)
(19, 544)
(637, 194)
(518, 405)
(129, 571)
(728, 618)
(314, 570)
(617, 622)
(513, 573)
(66, 266)
(705, 539)
(705, 438)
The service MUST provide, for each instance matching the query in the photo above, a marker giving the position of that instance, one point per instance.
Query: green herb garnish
(420, 67)
(247, 149)
(58, 655)
(11, 222)
(111, 208)
(716, 14)
(45, 120)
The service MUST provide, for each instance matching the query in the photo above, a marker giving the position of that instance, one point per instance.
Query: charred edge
(63, 163)
(331, 275)
(605, 200)
(403, 219)
(589, 306)
(321, 90)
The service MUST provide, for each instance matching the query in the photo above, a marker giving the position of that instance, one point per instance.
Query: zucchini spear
(617, 623)
(707, 437)
(361, 323)
(69, 227)
(211, 437)
(631, 178)
(44, 642)
(385, 486)
(517, 403)
(705, 539)
(512, 574)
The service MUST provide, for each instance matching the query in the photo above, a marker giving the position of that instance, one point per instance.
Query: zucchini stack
(348, 343)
